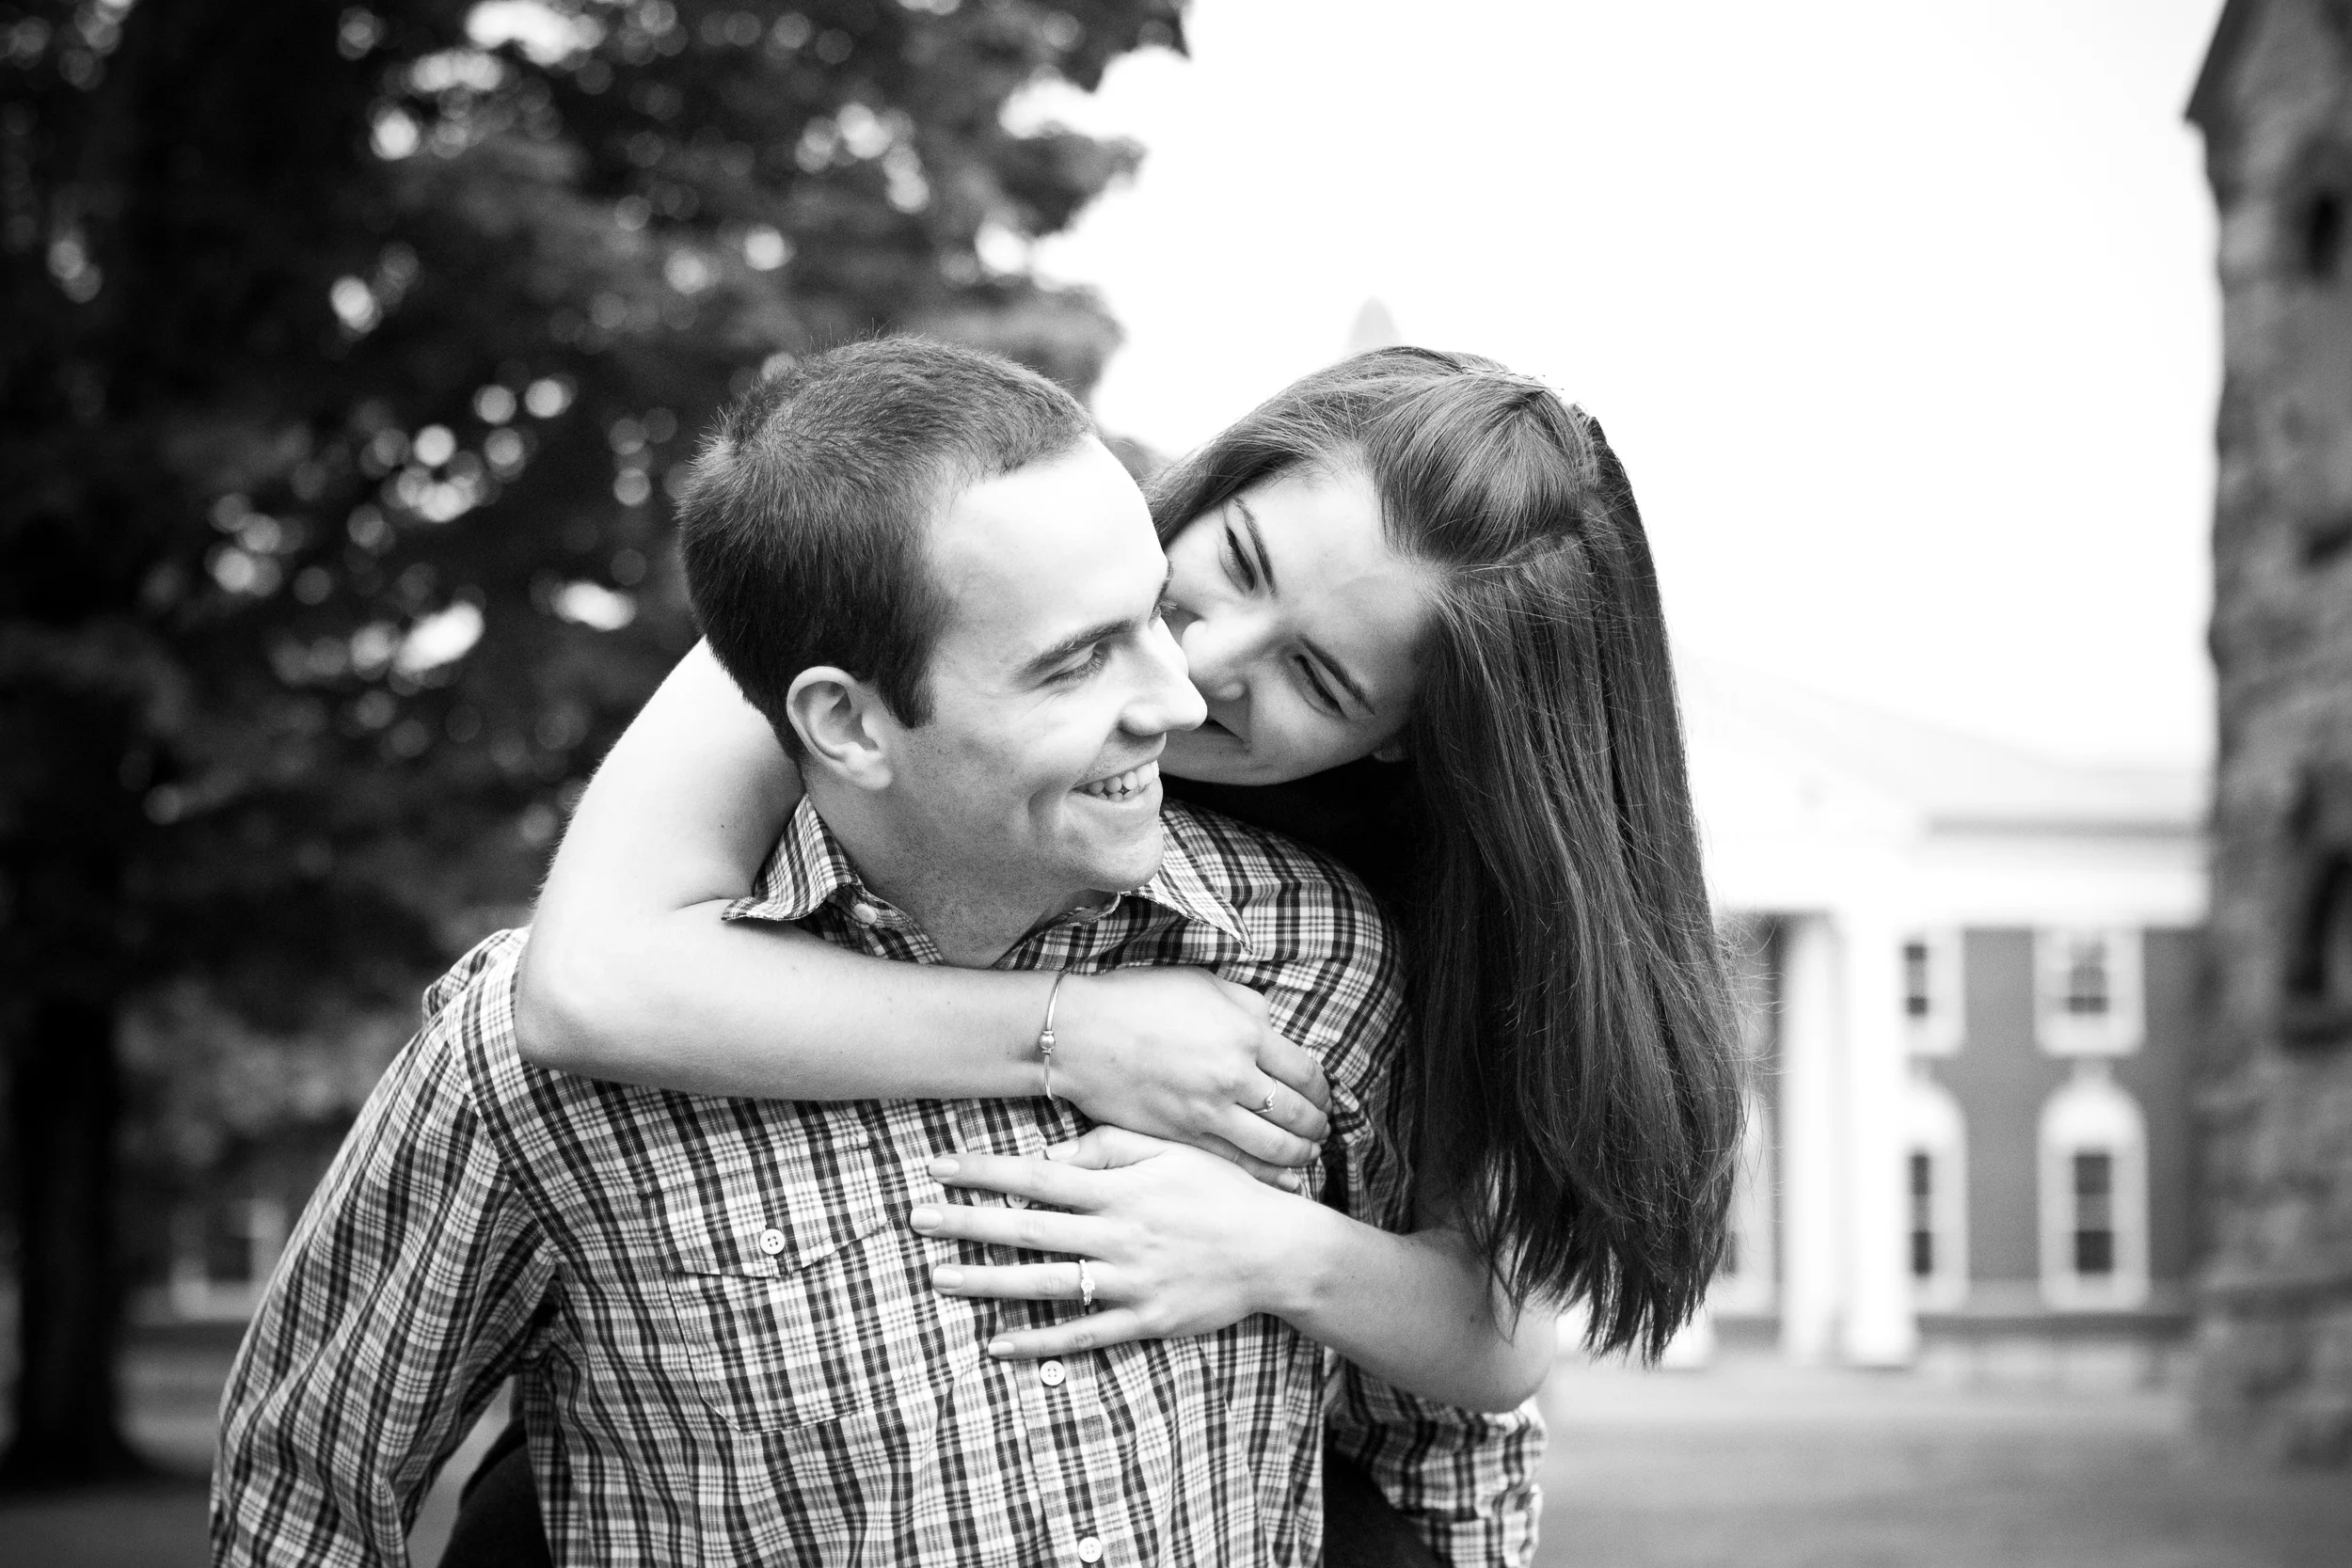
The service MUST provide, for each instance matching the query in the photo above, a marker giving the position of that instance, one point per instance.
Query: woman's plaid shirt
(726, 1340)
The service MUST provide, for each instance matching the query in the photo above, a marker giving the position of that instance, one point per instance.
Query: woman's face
(1300, 626)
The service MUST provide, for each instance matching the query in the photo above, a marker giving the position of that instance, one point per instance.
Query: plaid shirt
(726, 1345)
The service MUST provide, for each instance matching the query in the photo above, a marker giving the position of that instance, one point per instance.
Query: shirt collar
(808, 868)
(1179, 885)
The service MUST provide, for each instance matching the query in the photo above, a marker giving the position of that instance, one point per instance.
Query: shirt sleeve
(1466, 1482)
(407, 1294)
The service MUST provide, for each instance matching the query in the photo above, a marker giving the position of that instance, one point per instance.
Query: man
(943, 590)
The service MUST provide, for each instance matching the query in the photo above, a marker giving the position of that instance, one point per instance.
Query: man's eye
(1094, 660)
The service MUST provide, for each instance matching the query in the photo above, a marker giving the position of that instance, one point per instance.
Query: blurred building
(2275, 104)
(1970, 981)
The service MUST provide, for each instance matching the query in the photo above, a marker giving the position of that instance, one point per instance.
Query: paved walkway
(1749, 1463)
(1758, 1465)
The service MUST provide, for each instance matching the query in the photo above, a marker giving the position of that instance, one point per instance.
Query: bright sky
(1901, 316)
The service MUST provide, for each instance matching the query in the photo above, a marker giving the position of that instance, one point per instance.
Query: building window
(1936, 1180)
(2095, 1194)
(2319, 965)
(2094, 1214)
(2085, 982)
(2086, 999)
(1933, 1016)
(222, 1257)
(1922, 1215)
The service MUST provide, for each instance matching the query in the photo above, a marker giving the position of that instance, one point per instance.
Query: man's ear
(844, 725)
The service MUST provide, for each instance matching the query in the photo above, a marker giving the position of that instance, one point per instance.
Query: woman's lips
(1210, 727)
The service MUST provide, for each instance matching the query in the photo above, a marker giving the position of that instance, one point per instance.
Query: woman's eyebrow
(1257, 542)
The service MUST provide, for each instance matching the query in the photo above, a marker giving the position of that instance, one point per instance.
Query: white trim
(2064, 955)
(2090, 1115)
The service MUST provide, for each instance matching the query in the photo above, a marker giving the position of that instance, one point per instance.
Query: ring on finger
(1085, 1287)
(1267, 1109)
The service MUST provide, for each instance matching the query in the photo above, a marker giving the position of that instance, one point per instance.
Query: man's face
(1052, 686)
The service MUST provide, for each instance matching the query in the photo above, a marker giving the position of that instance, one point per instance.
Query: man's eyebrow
(1079, 640)
(1257, 542)
(1338, 672)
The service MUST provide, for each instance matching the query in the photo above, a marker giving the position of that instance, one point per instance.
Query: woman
(1415, 593)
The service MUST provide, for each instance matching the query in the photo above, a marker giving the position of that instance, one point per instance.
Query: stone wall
(2274, 1333)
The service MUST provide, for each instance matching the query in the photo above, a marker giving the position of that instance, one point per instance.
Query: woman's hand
(1181, 1054)
(1176, 1241)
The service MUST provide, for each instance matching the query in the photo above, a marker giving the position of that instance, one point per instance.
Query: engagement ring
(1085, 1287)
(1267, 1109)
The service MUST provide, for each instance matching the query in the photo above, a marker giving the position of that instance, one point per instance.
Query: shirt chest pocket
(795, 1290)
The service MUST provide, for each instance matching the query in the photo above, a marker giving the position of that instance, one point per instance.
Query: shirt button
(771, 1241)
(864, 913)
(1089, 1549)
(1051, 1374)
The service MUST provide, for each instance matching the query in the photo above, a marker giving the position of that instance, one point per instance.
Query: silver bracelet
(1045, 1034)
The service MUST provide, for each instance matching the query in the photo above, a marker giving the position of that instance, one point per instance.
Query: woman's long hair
(1576, 1089)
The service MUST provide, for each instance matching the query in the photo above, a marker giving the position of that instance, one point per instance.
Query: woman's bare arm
(632, 976)
(1179, 1244)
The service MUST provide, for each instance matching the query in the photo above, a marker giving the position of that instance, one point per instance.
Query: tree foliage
(350, 358)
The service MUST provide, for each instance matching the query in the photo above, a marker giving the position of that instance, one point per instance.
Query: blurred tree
(350, 353)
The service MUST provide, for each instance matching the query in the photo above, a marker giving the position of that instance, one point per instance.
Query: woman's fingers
(1110, 1147)
(1253, 1134)
(1055, 1183)
(1015, 1281)
(1289, 1178)
(1289, 1110)
(1302, 1070)
(1106, 1149)
(1091, 1332)
(1029, 1230)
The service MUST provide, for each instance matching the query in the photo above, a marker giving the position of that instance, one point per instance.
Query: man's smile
(1118, 788)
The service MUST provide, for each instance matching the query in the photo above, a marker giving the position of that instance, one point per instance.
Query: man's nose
(1165, 699)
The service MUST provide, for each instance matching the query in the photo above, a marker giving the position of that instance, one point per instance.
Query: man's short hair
(804, 519)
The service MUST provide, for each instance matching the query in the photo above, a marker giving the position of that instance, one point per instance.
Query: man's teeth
(1123, 785)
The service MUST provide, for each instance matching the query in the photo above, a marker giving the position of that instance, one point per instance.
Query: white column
(1812, 1142)
(1880, 1327)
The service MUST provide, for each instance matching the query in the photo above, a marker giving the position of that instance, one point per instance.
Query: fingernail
(948, 1277)
(1000, 1347)
(943, 1168)
(924, 1219)
(1058, 1152)
(1295, 1181)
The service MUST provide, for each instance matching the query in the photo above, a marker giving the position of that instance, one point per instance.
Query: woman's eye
(1237, 564)
(1325, 698)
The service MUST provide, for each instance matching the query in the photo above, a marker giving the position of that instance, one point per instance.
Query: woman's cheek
(1306, 741)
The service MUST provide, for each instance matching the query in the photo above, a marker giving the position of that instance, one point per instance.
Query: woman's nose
(1215, 650)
